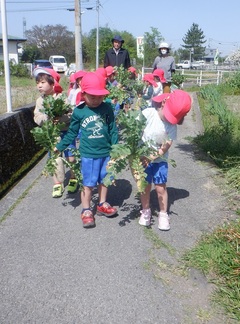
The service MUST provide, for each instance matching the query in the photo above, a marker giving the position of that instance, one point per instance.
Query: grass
(217, 255)
(23, 91)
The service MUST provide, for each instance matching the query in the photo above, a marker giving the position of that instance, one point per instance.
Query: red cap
(160, 74)
(132, 70)
(94, 84)
(109, 70)
(149, 77)
(102, 71)
(79, 74)
(54, 74)
(72, 78)
(177, 105)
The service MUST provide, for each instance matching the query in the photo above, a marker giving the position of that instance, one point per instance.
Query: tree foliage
(43, 41)
(151, 43)
(194, 39)
(50, 40)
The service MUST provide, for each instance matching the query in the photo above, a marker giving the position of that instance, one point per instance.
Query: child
(77, 98)
(159, 78)
(111, 77)
(133, 73)
(148, 88)
(161, 130)
(71, 88)
(96, 121)
(47, 84)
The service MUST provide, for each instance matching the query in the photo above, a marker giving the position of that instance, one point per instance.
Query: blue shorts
(94, 170)
(157, 173)
(67, 152)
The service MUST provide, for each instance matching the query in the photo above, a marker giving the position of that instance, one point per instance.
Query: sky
(218, 20)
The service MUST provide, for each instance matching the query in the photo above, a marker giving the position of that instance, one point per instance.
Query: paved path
(55, 271)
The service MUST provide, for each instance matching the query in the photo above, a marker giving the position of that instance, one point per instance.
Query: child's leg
(163, 218)
(162, 195)
(104, 208)
(60, 171)
(87, 215)
(86, 195)
(71, 160)
(102, 193)
(145, 218)
(145, 197)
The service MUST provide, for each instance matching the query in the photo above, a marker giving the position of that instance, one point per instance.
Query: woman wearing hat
(117, 56)
(165, 62)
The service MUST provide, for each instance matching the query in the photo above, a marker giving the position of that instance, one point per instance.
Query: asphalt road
(55, 271)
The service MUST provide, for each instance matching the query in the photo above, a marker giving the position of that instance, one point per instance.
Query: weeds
(218, 256)
(222, 132)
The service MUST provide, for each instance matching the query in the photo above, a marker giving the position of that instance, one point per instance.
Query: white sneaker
(163, 222)
(145, 218)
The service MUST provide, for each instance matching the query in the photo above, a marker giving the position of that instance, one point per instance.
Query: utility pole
(97, 36)
(78, 36)
(6, 56)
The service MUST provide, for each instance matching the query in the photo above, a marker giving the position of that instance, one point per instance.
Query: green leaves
(47, 135)
(129, 152)
(55, 107)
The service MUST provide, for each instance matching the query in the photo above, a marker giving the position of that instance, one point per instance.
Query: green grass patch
(220, 139)
(156, 241)
(217, 255)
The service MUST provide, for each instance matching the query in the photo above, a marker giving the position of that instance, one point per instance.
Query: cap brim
(161, 97)
(38, 71)
(95, 92)
(167, 114)
(115, 39)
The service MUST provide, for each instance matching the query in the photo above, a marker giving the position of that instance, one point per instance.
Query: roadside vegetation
(217, 254)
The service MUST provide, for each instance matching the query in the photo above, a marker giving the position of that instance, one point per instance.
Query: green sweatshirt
(98, 131)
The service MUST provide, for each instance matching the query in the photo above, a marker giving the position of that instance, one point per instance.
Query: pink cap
(149, 77)
(102, 71)
(177, 105)
(160, 74)
(72, 78)
(132, 70)
(94, 84)
(109, 70)
(79, 74)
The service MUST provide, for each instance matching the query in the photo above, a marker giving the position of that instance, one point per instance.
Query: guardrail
(200, 77)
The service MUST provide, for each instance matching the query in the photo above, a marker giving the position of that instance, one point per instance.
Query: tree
(194, 40)
(50, 40)
(151, 43)
(30, 53)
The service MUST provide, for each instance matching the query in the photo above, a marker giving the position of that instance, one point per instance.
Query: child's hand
(145, 161)
(55, 150)
(56, 120)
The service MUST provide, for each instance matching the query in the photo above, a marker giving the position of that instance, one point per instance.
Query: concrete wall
(17, 145)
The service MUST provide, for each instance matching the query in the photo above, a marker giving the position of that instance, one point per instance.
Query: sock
(83, 210)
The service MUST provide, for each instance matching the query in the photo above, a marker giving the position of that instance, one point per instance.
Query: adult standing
(165, 62)
(117, 55)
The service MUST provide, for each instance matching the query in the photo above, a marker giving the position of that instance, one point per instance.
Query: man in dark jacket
(117, 55)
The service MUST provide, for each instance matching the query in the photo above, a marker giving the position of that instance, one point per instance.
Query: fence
(199, 77)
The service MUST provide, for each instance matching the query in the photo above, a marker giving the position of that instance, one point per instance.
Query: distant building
(14, 48)
(210, 54)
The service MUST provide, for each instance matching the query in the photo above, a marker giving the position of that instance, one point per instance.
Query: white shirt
(157, 131)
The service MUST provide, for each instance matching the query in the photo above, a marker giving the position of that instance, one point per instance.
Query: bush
(18, 70)
(178, 79)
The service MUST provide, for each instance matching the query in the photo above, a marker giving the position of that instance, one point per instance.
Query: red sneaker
(88, 219)
(106, 210)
